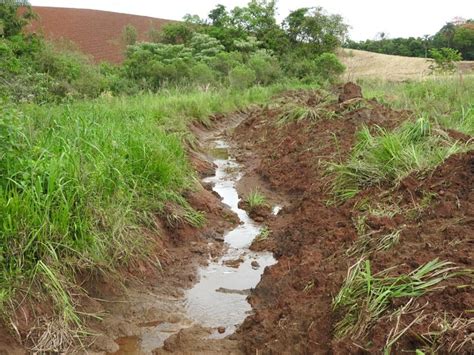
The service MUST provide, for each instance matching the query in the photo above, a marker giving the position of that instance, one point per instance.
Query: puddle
(219, 299)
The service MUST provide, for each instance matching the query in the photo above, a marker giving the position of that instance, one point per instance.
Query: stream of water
(219, 298)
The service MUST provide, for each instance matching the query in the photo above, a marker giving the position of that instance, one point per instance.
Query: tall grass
(447, 100)
(78, 182)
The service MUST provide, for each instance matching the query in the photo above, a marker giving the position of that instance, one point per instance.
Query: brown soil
(96, 33)
(293, 301)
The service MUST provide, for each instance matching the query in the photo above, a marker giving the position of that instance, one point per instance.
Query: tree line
(457, 36)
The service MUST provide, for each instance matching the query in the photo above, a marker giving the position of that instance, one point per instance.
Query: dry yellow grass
(362, 64)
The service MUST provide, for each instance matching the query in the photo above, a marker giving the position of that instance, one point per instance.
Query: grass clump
(264, 234)
(256, 199)
(389, 156)
(312, 111)
(365, 297)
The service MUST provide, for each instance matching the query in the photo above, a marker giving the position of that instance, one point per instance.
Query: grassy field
(366, 65)
(79, 181)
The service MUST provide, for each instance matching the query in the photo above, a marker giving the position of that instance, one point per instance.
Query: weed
(369, 243)
(439, 337)
(263, 235)
(256, 199)
(296, 113)
(448, 101)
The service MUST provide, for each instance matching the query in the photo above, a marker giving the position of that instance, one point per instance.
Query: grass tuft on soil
(388, 156)
(364, 297)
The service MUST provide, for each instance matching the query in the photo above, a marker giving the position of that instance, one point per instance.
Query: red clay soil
(293, 301)
(96, 33)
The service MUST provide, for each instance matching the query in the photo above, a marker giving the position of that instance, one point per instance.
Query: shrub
(328, 67)
(129, 35)
(444, 60)
(224, 62)
(201, 74)
(241, 77)
(266, 67)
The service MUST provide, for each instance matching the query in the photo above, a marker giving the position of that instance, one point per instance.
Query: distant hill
(362, 64)
(97, 33)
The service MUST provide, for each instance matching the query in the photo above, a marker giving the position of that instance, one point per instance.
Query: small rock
(221, 330)
(233, 263)
(105, 343)
(255, 264)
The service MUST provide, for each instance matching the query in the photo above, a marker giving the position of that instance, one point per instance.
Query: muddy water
(219, 298)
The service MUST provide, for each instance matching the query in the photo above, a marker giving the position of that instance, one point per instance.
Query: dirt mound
(350, 91)
(293, 301)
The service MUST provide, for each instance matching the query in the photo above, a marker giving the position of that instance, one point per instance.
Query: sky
(397, 18)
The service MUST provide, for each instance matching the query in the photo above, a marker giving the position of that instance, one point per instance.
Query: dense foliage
(238, 48)
(459, 37)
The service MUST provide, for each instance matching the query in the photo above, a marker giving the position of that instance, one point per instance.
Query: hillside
(96, 33)
(362, 64)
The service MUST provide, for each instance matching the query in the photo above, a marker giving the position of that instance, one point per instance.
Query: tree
(177, 33)
(12, 20)
(312, 31)
(463, 41)
(219, 16)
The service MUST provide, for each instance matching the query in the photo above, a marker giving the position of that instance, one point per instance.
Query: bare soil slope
(97, 33)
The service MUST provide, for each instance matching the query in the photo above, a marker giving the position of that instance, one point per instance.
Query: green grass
(255, 199)
(365, 297)
(79, 182)
(446, 100)
(389, 156)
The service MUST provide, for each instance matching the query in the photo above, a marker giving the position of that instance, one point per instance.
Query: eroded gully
(218, 301)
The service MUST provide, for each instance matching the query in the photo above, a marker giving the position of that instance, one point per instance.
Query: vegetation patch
(388, 156)
(365, 297)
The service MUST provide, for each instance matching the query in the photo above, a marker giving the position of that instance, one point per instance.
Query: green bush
(328, 67)
(224, 62)
(444, 60)
(241, 77)
(266, 67)
(201, 74)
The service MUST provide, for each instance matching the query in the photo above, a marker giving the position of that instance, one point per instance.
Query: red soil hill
(97, 33)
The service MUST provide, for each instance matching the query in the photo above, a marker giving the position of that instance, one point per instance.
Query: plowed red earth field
(96, 33)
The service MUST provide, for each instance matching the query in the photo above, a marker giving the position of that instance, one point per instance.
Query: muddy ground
(314, 241)
(310, 238)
